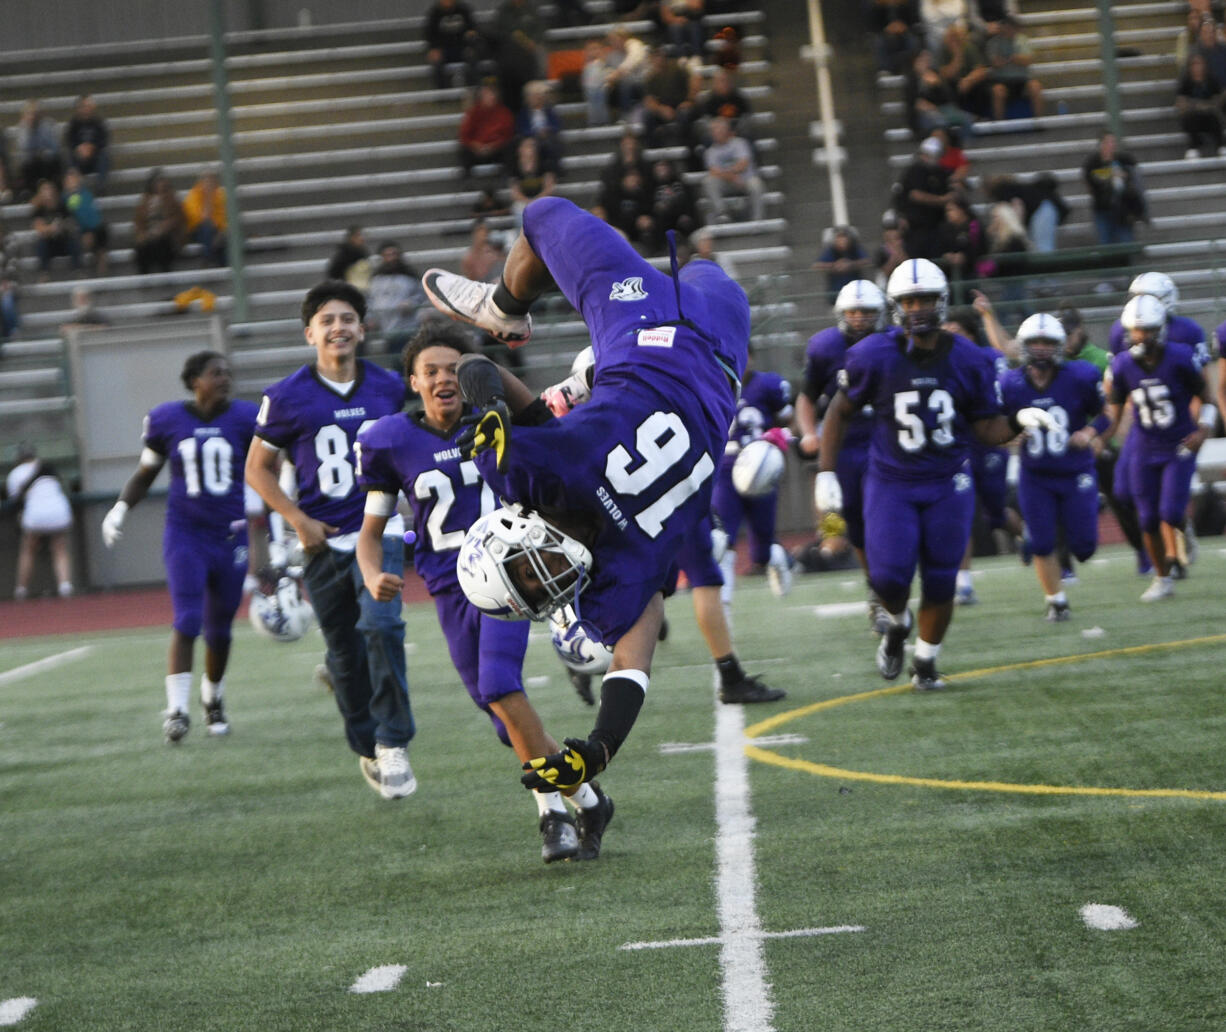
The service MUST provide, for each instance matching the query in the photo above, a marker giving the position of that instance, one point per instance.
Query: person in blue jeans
(314, 415)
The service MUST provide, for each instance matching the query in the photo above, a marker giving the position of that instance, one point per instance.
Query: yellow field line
(823, 770)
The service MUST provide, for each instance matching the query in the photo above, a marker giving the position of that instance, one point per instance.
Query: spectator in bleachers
(629, 155)
(702, 245)
(82, 206)
(673, 204)
(528, 178)
(487, 131)
(681, 21)
(842, 260)
(10, 316)
(1189, 39)
(1009, 56)
(962, 65)
(929, 99)
(518, 43)
(939, 15)
(1117, 194)
(954, 159)
(539, 119)
(986, 15)
(731, 169)
(893, 250)
(1212, 47)
(595, 81)
(56, 231)
(488, 204)
(571, 12)
(627, 61)
(1198, 103)
(453, 37)
(1005, 236)
(726, 49)
(485, 257)
(87, 142)
(1046, 210)
(959, 244)
(670, 91)
(157, 225)
(393, 299)
(37, 149)
(924, 190)
(204, 215)
(726, 100)
(899, 31)
(627, 207)
(351, 260)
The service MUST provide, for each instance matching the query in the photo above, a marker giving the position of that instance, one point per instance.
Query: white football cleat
(469, 301)
(396, 778)
(1159, 588)
(779, 571)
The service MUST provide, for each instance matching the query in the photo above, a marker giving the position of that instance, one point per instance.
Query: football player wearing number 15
(205, 542)
(315, 415)
(605, 497)
(930, 390)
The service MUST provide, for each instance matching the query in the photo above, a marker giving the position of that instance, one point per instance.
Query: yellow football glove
(580, 761)
(489, 428)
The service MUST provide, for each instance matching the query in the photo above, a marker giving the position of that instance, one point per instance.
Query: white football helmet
(513, 565)
(758, 469)
(1156, 284)
(577, 649)
(1041, 328)
(283, 614)
(918, 277)
(584, 365)
(1144, 312)
(860, 296)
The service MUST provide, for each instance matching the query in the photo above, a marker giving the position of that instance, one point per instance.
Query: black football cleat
(1058, 612)
(891, 648)
(924, 676)
(750, 689)
(591, 823)
(559, 839)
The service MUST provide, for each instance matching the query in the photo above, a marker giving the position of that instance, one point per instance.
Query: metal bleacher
(333, 125)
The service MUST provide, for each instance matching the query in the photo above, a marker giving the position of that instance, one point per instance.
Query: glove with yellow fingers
(828, 498)
(580, 761)
(489, 428)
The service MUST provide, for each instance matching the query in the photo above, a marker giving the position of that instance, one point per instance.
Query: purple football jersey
(317, 426)
(1161, 397)
(765, 399)
(825, 355)
(1179, 328)
(446, 493)
(207, 458)
(923, 404)
(1073, 398)
(640, 462)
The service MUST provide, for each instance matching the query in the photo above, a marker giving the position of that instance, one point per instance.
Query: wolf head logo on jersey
(628, 290)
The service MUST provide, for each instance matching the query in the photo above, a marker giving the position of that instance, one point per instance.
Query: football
(758, 469)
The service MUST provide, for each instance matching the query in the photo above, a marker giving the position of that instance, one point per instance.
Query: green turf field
(887, 862)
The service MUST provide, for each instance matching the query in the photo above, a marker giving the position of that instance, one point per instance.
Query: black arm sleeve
(620, 702)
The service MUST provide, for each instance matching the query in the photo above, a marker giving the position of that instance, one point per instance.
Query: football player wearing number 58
(315, 415)
(205, 544)
(930, 390)
(603, 499)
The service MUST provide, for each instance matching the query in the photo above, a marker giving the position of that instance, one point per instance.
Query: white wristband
(1208, 417)
(119, 510)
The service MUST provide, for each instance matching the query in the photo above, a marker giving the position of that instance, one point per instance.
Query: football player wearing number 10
(930, 390)
(604, 498)
(315, 415)
(205, 543)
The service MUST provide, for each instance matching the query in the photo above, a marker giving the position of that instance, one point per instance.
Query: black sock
(507, 302)
(730, 671)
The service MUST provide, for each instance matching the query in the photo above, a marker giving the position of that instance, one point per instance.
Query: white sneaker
(175, 726)
(395, 775)
(473, 302)
(779, 571)
(1160, 587)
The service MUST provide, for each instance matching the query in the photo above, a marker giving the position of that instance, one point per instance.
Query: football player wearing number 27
(314, 415)
(603, 498)
(929, 390)
(205, 542)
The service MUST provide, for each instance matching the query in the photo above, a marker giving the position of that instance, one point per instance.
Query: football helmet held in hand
(277, 608)
(758, 469)
(577, 649)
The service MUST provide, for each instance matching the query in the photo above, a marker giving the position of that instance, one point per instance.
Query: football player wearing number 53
(603, 499)
(204, 546)
(929, 390)
(314, 415)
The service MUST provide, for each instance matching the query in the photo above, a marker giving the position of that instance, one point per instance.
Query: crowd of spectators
(1200, 89)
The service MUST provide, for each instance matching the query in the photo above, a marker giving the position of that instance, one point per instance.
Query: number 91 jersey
(206, 462)
(923, 402)
(317, 426)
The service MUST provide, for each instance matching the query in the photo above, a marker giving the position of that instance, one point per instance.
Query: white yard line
(379, 979)
(49, 663)
(1104, 917)
(747, 1001)
(12, 1011)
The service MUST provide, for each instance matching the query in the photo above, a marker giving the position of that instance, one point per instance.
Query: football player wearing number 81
(930, 390)
(604, 498)
(205, 544)
(314, 415)
(1057, 486)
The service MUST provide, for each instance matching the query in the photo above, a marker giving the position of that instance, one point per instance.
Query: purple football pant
(488, 654)
(696, 560)
(851, 469)
(1051, 501)
(759, 512)
(1161, 489)
(909, 523)
(1124, 477)
(990, 468)
(205, 577)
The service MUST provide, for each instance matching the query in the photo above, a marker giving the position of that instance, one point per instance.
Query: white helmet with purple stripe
(918, 277)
